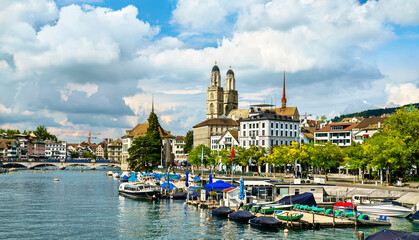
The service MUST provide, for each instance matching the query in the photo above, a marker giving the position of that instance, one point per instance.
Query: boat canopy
(219, 185)
(415, 216)
(170, 186)
(344, 204)
(388, 234)
(302, 199)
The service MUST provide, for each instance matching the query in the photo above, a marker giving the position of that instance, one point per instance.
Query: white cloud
(4, 109)
(400, 12)
(402, 94)
(87, 88)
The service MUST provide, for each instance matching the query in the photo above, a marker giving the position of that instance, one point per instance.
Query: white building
(338, 133)
(178, 145)
(267, 129)
(367, 127)
(227, 140)
(55, 150)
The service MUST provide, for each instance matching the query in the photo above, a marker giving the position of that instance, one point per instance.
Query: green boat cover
(349, 214)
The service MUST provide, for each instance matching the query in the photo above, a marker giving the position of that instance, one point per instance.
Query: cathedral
(221, 101)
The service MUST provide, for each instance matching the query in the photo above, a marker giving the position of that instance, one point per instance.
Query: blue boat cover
(125, 177)
(302, 199)
(264, 221)
(220, 184)
(388, 234)
(222, 211)
(241, 215)
(196, 179)
(165, 186)
(415, 216)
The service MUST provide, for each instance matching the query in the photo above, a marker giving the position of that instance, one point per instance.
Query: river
(86, 205)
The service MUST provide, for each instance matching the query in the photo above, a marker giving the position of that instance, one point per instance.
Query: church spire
(284, 99)
(152, 103)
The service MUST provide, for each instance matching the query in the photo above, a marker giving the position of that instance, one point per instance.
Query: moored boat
(222, 211)
(241, 216)
(265, 222)
(272, 208)
(415, 217)
(289, 215)
(139, 190)
(386, 208)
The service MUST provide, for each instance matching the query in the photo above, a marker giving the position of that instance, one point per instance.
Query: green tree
(89, 155)
(196, 153)
(106, 155)
(74, 154)
(326, 156)
(145, 152)
(43, 133)
(356, 157)
(188, 142)
(405, 125)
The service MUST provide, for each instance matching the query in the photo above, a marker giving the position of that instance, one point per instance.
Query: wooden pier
(310, 220)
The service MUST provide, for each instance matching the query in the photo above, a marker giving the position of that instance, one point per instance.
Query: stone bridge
(59, 165)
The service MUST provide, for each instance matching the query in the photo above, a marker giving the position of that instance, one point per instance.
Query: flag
(250, 160)
(232, 153)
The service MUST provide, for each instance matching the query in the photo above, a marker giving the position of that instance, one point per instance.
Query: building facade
(115, 151)
(229, 139)
(338, 133)
(367, 128)
(221, 101)
(178, 145)
(55, 150)
(203, 131)
(267, 129)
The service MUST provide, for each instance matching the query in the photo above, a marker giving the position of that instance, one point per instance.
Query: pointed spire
(284, 98)
(152, 104)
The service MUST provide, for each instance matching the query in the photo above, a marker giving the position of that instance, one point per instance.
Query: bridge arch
(40, 164)
(11, 165)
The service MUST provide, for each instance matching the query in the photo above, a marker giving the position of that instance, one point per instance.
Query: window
(296, 191)
(272, 132)
(257, 125)
(282, 125)
(263, 142)
(286, 126)
(263, 132)
(295, 126)
(277, 142)
(277, 125)
(272, 125)
(282, 133)
(244, 134)
(276, 132)
(244, 126)
(263, 125)
(244, 143)
(282, 142)
(286, 133)
(312, 189)
(250, 125)
(257, 142)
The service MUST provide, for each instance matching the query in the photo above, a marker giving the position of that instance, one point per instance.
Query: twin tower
(219, 101)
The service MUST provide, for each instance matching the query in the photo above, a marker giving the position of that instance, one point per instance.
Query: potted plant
(212, 193)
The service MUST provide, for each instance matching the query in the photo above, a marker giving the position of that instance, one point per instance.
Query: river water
(86, 205)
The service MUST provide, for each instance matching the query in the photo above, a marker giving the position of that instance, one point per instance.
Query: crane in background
(75, 133)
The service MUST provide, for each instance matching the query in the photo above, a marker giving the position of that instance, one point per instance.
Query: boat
(302, 199)
(277, 207)
(222, 211)
(241, 216)
(289, 215)
(344, 206)
(56, 179)
(116, 175)
(393, 234)
(265, 222)
(386, 208)
(415, 217)
(178, 195)
(109, 174)
(365, 220)
(139, 190)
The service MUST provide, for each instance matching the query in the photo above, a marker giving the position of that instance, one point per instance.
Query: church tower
(215, 94)
(284, 99)
(231, 97)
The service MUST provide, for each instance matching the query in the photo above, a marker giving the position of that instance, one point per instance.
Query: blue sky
(80, 65)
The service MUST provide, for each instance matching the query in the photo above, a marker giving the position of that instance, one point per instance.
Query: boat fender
(286, 231)
(208, 219)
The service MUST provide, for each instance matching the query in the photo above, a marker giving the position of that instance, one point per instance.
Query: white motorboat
(139, 190)
(385, 208)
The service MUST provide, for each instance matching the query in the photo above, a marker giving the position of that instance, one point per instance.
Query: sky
(75, 65)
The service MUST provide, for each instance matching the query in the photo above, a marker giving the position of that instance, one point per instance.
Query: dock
(310, 220)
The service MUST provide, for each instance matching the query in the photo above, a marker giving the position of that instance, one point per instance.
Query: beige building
(203, 131)
(99, 150)
(221, 101)
(115, 151)
(178, 145)
(140, 131)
